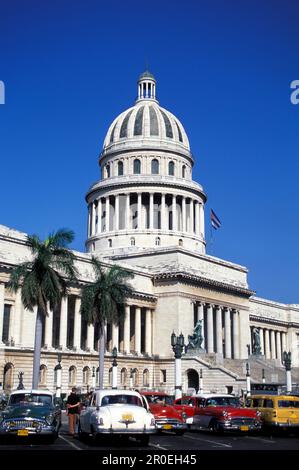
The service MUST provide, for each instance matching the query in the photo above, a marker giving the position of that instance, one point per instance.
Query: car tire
(179, 432)
(214, 427)
(81, 434)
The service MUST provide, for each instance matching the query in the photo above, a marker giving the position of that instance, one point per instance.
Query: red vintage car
(166, 416)
(224, 413)
(187, 405)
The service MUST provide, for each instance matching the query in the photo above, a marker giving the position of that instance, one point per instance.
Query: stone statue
(256, 346)
(196, 339)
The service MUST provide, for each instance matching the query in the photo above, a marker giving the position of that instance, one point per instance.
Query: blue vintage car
(31, 413)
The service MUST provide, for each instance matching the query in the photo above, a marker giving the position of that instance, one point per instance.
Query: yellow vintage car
(277, 411)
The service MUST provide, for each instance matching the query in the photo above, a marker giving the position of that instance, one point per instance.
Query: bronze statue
(256, 347)
(196, 339)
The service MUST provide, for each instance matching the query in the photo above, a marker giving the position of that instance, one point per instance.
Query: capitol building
(147, 214)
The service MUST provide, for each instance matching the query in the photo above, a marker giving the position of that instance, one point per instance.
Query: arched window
(123, 377)
(157, 241)
(135, 377)
(120, 168)
(86, 375)
(146, 378)
(43, 374)
(8, 377)
(171, 168)
(183, 171)
(72, 375)
(180, 242)
(163, 376)
(132, 241)
(137, 166)
(155, 167)
(108, 171)
(109, 242)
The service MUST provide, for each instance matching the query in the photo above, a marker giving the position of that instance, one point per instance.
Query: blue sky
(223, 68)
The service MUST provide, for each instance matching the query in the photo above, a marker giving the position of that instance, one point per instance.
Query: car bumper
(172, 427)
(129, 431)
(43, 431)
(282, 425)
(228, 426)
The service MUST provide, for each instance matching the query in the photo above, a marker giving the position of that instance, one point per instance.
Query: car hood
(234, 412)
(26, 411)
(163, 411)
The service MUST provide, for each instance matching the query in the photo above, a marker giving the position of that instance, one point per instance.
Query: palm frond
(17, 274)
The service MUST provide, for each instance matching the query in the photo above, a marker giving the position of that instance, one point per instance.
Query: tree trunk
(102, 341)
(37, 348)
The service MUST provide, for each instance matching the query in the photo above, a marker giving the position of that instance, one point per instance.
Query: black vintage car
(31, 413)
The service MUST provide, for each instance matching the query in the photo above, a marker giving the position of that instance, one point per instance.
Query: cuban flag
(215, 221)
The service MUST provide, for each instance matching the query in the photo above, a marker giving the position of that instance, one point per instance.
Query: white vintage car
(117, 412)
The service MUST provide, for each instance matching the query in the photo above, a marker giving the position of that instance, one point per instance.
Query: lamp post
(114, 368)
(93, 377)
(177, 343)
(58, 370)
(20, 377)
(248, 384)
(200, 381)
(287, 360)
(263, 376)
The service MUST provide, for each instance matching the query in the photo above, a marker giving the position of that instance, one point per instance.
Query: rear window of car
(288, 404)
(160, 399)
(121, 399)
(39, 399)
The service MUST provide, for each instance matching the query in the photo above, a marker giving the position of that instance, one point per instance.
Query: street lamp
(248, 384)
(178, 345)
(200, 381)
(287, 360)
(58, 370)
(114, 368)
(93, 377)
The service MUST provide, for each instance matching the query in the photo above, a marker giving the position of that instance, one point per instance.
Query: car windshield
(288, 403)
(159, 399)
(223, 401)
(32, 398)
(121, 399)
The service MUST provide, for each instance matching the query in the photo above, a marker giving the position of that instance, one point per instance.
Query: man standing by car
(73, 409)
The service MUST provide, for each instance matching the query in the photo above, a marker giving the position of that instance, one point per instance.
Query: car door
(86, 414)
(199, 419)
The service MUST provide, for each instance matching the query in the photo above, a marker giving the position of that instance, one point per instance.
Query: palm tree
(104, 301)
(42, 281)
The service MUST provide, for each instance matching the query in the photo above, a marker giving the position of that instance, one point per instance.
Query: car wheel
(144, 440)
(214, 427)
(179, 432)
(81, 434)
(93, 436)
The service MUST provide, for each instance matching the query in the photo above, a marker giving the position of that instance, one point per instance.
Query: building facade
(147, 214)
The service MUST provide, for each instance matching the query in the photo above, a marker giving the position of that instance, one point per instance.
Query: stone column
(191, 228)
(90, 338)
(49, 328)
(138, 330)
(183, 214)
(2, 288)
(107, 214)
(93, 218)
(278, 345)
(283, 341)
(273, 348)
(200, 316)
(262, 341)
(116, 215)
(151, 211)
(115, 336)
(174, 214)
(267, 344)
(197, 217)
(210, 328)
(17, 319)
(139, 207)
(99, 214)
(89, 221)
(63, 322)
(236, 347)
(227, 333)
(163, 212)
(77, 325)
(201, 219)
(218, 330)
(127, 330)
(128, 215)
(148, 331)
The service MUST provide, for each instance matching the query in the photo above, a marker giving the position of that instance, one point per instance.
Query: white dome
(146, 125)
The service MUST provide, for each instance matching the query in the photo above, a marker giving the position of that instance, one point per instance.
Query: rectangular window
(6, 321)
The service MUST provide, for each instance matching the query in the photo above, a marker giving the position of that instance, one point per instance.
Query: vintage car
(31, 413)
(117, 412)
(223, 413)
(166, 416)
(277, 411)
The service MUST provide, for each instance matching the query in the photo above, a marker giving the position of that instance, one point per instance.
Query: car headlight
(50, 419)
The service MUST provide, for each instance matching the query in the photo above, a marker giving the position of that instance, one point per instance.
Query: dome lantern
(146, 86)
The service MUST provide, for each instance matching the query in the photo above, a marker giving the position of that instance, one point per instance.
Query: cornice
(273, 321)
